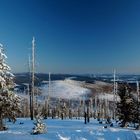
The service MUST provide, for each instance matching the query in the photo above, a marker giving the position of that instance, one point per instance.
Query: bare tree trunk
(85, 116)
(88, 116)
(1, 123)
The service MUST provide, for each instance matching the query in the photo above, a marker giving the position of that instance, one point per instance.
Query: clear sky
(72, 36)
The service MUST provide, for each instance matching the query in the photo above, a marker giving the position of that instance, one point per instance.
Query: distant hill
(39, 77)
(21, 78)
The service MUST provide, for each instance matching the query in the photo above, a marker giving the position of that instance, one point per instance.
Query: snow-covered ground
(67, 89)
(67, 130)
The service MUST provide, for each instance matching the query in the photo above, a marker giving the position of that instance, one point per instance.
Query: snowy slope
(67, 130)
(67, 89)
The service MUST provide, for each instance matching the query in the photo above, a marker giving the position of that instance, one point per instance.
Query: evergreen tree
(138, 114)
(136, 119)
(9, 101)
(126, 107)
(39, 126)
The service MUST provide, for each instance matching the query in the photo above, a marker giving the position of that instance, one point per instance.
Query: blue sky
(72, 36)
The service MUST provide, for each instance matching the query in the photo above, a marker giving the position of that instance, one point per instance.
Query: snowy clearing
(67, 130)
(67, 89)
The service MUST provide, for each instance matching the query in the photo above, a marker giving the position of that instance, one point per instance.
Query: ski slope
(67, 130)
(66, 89)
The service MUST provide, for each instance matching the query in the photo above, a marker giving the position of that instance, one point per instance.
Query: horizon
(76, 74)
(77, 36)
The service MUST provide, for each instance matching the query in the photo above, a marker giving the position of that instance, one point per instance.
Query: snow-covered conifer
(126, 107)
(39, 127)
(9, 101)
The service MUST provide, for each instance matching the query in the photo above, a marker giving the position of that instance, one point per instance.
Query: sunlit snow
(67, 89)
(67, 130)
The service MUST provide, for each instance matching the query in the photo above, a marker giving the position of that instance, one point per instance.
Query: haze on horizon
(72, 36)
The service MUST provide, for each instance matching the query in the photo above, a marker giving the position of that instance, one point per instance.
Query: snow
(67, 130)
(67, 89)
(107, 96)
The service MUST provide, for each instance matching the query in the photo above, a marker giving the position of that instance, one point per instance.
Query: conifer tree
(136, 112)
(39, 127)
(138, 115)
(9, 101)
(126, 107)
